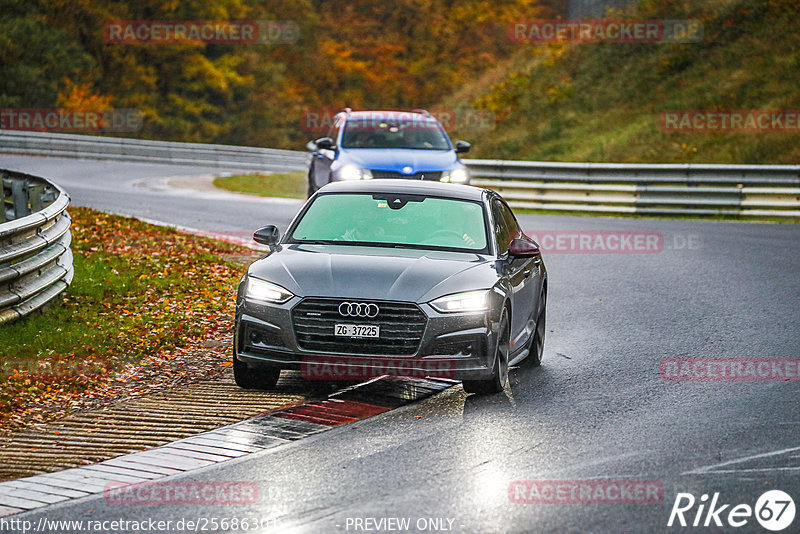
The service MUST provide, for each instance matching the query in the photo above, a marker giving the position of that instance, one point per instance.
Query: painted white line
(754, 470)
(710, 468)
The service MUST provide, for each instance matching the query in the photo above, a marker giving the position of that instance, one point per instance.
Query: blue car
(362, 145)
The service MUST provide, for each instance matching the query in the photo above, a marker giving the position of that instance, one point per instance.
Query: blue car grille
(401, 327)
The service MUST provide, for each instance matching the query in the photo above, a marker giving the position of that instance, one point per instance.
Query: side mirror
(462, 147)
(268, 235)
(325, 143)
(523, 248)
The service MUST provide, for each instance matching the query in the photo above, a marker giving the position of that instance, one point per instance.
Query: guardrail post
(4, 184)
(35, 193)
(20, 199)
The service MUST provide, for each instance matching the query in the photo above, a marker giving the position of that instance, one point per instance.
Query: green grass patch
(286, 185)
(602, 102)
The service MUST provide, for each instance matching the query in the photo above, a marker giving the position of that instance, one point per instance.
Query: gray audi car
(392, 277)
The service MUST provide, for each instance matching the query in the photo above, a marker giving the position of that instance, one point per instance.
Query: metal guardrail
(123, 149)
(651, 189)
(35, 258)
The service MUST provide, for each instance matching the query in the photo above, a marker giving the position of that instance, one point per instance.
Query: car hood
(382, 159)
(374, 273)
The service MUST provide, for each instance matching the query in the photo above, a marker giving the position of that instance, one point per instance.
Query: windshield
(392, 220)
(389, 133)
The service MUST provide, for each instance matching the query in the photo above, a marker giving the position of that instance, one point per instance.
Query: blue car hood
(382, 159)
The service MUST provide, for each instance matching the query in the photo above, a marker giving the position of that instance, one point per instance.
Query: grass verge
(603, 102)
(286, 185)
(143, 298)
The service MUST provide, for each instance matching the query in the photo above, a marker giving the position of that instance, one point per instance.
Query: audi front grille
(401, 327)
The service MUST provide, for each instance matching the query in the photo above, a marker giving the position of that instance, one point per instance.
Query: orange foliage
(79, 96)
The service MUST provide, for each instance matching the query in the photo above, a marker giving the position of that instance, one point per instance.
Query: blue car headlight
(351, 172)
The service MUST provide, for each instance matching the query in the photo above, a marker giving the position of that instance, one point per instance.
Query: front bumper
(451, 346)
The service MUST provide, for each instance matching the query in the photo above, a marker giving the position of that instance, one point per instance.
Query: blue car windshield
(395, 221)
(375, 132)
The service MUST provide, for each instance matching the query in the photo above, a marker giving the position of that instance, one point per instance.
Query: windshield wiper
(311, 242)
(378, 244)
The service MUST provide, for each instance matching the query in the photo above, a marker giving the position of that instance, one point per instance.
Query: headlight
(470, 301)
(265, 291)
(456, 176)
(351, 172)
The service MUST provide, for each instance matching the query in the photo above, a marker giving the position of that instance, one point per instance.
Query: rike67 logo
(774, 510)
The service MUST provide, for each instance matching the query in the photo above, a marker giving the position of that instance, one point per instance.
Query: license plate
(357, 330)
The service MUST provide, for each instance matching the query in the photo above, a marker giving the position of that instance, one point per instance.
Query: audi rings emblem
(358, 309)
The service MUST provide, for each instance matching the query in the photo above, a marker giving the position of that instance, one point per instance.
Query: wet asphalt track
(597, 408)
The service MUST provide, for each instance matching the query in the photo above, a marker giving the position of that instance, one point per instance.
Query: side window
(502, 231)
(333, 131)
(511, 222)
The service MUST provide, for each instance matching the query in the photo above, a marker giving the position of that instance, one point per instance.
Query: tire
(497, 382)
(537, 341)
(254, 377)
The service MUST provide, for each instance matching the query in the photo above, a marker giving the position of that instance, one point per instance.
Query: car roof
(390, 115)
(409, 187)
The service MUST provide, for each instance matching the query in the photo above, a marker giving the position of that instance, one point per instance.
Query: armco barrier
(651, 189)
(123, 149)
(35, 258)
